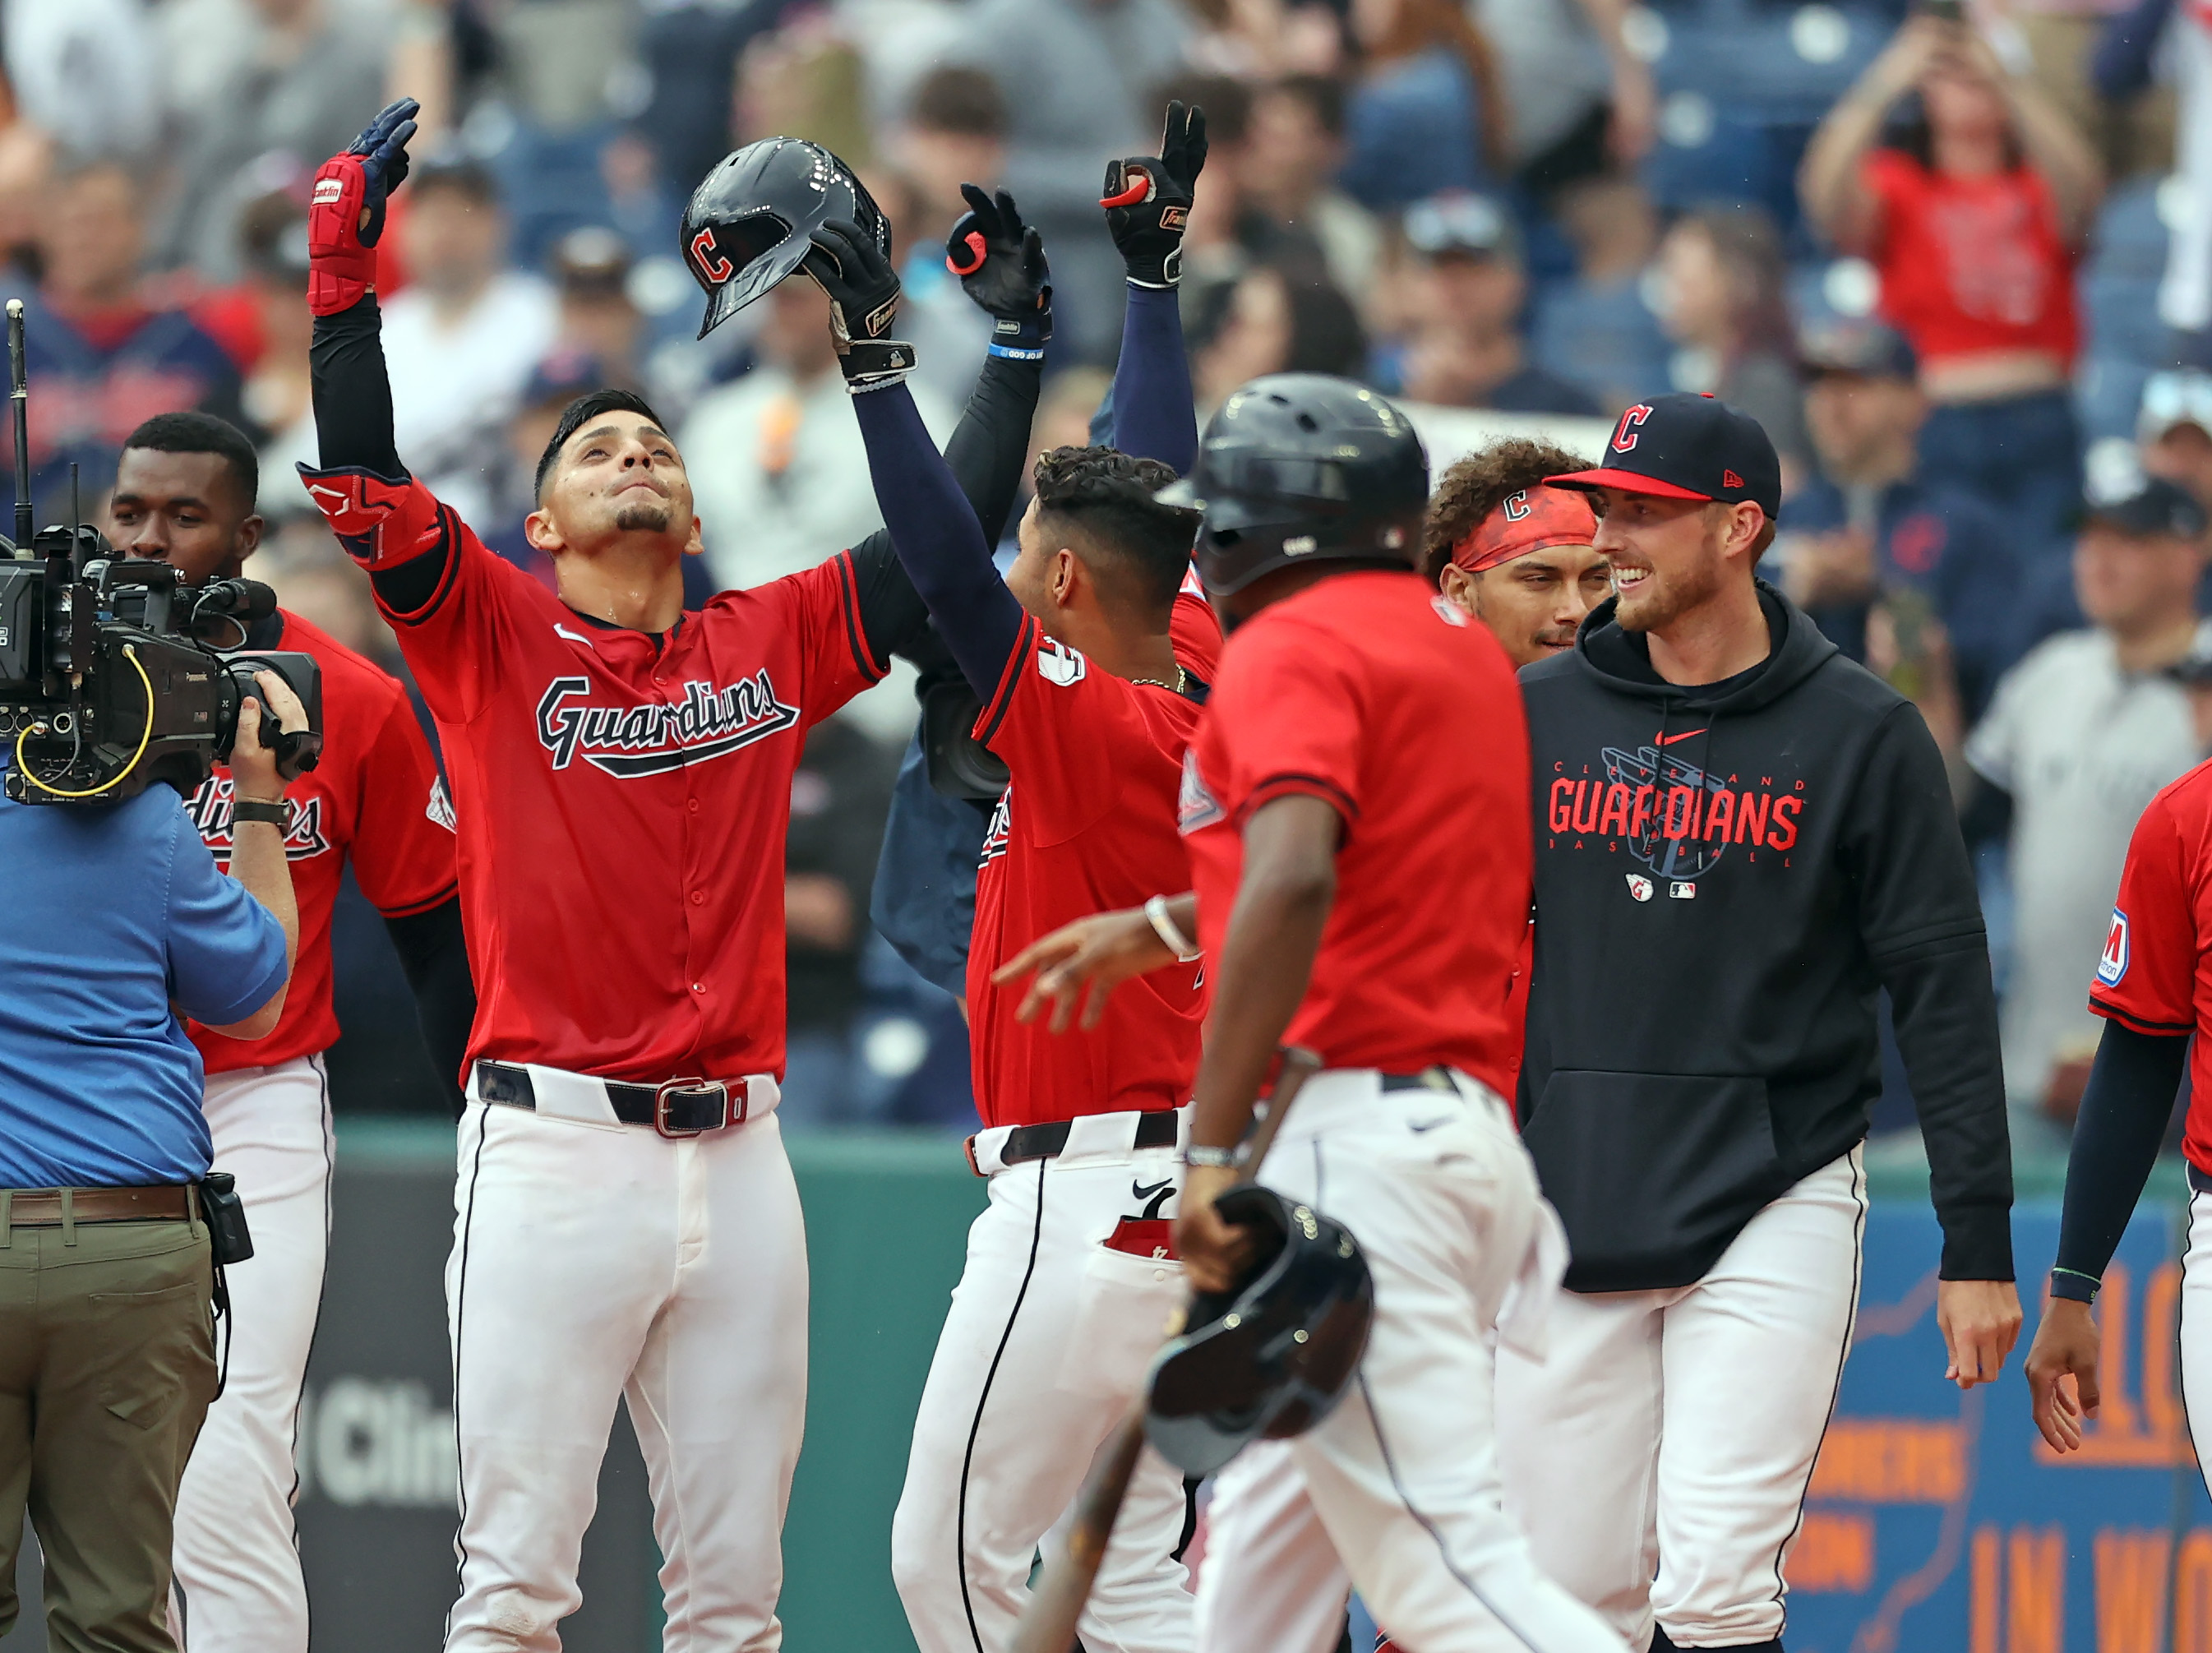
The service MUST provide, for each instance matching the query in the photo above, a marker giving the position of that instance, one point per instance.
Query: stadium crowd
(1960, 272)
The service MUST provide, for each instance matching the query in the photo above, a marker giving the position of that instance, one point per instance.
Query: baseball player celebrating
(184, 495)
(1322, 818)
(626, 1221)
(1070, 1274)
(2152, 987)
(1768, 829)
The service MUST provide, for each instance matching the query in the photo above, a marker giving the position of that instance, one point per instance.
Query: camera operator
(117, 927)
(186, 494)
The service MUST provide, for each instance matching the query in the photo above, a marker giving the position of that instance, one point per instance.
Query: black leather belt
(1028, 1142)
(1429, 1078)
(679, 1107)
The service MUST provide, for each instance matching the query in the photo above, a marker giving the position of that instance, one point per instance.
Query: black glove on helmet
(1300, 467)
(751, 221)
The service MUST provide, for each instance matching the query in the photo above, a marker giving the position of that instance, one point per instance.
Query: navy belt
(1028, 1142)
(679, 1107)
(1429, 1078)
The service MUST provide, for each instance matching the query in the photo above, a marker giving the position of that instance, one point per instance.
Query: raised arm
(1147, 202)
(1835, 196)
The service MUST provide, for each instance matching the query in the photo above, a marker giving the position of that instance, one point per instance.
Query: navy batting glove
(1148, 199)
(864, 294)
(1002, 266)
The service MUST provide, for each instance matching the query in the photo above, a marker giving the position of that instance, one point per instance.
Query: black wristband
(2074, 1287)
(267, 812)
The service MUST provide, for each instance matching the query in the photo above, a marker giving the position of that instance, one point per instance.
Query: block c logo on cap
(2112, 967)
(1624, 437)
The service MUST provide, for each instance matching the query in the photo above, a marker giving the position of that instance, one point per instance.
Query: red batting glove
(341, 270)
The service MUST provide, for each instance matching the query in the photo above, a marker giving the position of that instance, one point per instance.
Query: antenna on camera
(19, 398)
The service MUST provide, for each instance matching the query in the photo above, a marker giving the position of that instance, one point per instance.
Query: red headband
(1534, 520)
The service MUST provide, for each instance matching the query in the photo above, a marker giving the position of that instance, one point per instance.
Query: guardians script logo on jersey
(2112, 965)
(210, 808)
(633, 740)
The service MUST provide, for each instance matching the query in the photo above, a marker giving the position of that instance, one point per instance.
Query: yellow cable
(116, 780)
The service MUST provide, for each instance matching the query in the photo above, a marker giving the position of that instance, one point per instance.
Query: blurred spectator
(1872, 527)
(1296, 150)
(1427, 112)
(591, 274)
(461, 340)
(1598, 330)
(954, 134)
(310, 77)
(26, 165)
(804, 80)
(1076, 76)
(691, 50)
(1262, 39)
(1582, 102)
(1462, 290)
(778, 470)
(101, 362)
(2175, 430)
(2132, 41)
(1722, 299)
(839, 796)
(81, 72)
(1974, 218)
(2083, 731)
(2129, 125)
(277, 397)
(1276, 323)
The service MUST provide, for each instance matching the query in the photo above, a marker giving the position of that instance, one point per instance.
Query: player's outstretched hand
(2062, 1372)
(863, 287)
(1098, 953)
(1148, 199)
(345, 215)
(1980, 1321)
(1002, 266)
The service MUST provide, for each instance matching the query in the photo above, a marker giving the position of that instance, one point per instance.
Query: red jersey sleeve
(823, 606)
(452, 640)
(1296, 714)
(1068, 733)
(403, 850)
(2147, 977)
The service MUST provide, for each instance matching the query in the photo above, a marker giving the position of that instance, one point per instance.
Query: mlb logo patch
(2113, 965)
(1679, 891)
(1058, 664)
(1639, 886)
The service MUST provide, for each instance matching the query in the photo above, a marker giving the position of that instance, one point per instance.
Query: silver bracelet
(1225, 1159)
(1156, 914)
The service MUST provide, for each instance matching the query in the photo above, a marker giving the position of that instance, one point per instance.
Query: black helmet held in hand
(751, 221)
(1273, 1358)
(1300, 467)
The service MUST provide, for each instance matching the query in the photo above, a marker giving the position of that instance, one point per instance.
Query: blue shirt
(111, 913)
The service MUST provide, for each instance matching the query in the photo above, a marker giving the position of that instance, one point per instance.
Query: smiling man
(1758, 836)
(1514, 553)
(184, 495)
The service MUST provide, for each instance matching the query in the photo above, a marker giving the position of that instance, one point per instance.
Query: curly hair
(1105, 498)
(1477, 486)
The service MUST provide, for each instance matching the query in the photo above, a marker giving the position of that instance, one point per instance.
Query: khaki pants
(106, 1368)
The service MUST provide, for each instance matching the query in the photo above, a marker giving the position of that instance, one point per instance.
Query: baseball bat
(1047, 1623)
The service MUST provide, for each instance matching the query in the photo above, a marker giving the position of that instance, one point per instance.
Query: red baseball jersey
(2155, 975)
(1376, 696)
(622, 797)
(375, 800)
(1087, 824)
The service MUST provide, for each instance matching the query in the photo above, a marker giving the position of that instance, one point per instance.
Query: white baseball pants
(1044, 1348)
(1659, 1456)
(1403, 1475)
(1271, 1582)
(237, 1557)
(593, 1262)
(2195, 1332)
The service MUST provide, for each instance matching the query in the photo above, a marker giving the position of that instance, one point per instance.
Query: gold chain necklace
(1180, 686)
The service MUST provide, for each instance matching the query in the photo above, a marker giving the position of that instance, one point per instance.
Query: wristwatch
(270, 811)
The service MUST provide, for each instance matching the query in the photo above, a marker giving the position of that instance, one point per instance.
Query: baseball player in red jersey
(2153, 986)
(1322, 817)
(627, 1225)
(184, 495)
(1089, 697)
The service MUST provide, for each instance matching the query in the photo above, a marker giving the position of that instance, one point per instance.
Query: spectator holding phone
(1973, 210)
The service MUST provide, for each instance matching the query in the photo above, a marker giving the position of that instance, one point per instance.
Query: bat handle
(1048, 1623)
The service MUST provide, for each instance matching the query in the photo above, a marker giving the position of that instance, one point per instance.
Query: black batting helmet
(1272, 1357)
(747, 226)
(1304, 467)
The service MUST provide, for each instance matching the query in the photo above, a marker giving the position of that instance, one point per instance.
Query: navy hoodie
(1727, 877)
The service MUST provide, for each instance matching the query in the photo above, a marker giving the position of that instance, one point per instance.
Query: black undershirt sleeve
(353, 427)
(434, 958)
(2132, 1086)
(986, 454)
